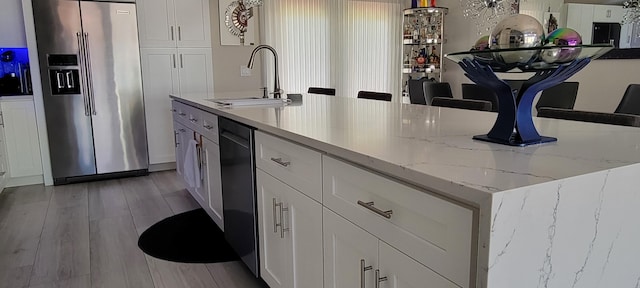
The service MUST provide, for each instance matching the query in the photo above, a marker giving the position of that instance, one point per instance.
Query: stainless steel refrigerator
(92, 88)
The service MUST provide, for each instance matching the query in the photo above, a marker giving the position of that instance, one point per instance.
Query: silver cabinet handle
(182, 114)
(279, 161)
(369, 205)
(363, 269)
(193, 120)
(182, 130)
(172, 38)
(174, 60)
(173, 110)
(179, 33)
(379, 279)
(279, 222)
(275, 220)
(208, 127)
(175, 138)
(282, 229)
(181, 62)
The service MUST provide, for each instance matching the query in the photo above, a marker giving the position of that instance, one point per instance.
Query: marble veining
(547, 266)
(596, 217)
(407, 141)
(575, 232)
(555, 215)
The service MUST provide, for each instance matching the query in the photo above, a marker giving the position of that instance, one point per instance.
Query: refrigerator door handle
(89, 74)
(83, 72)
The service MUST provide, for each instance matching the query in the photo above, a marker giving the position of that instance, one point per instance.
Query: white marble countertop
(432, 147)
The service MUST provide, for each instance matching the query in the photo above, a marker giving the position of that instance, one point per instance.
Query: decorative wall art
(238, 21)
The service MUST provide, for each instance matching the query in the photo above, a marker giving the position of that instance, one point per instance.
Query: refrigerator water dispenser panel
(64, 81)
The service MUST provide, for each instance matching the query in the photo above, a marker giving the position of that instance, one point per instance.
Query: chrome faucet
(277, 92)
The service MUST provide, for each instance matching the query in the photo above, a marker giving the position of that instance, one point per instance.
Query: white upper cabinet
(12, 25)
(607, 13)
(580, 18)
(169, 23)
(196, 71)
(193, 23)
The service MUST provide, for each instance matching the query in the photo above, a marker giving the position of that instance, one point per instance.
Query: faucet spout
(277, 92)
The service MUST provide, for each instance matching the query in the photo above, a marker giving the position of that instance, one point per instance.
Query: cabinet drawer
(435, 232)
(209, 126)
(299, 167)
(180, 112)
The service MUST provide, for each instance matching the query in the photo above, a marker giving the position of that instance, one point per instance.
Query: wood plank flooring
(86, 235)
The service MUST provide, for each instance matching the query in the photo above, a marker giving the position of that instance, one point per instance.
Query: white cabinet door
(275, 265)
(179, 145)
(290, 235)
(580, 18)
(3, 158)
(12, 25)
(345, 248)
(196, 71)
(213, 180)
(403, 272)
(607, 13)
(201, 192)
(193, 23)
(156, 23)
(303, 219)
(159, 79)
(21, 134)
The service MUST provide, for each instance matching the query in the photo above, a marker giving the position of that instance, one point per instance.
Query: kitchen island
(554, 215)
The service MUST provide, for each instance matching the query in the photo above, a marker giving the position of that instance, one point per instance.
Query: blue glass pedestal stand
(514, 125)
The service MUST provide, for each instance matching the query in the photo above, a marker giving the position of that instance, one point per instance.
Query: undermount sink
(250, 101)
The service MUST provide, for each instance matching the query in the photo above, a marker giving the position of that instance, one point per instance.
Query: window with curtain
(345, 44)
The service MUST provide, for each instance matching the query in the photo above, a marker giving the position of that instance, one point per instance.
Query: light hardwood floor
(85, 235)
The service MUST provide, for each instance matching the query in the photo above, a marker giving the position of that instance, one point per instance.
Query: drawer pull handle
(182, 130)
(363, 268)
(275, 220)
(369, 205)
(279, 161)
(208, 127)
(379, 279)
(193, 120)
(182, 114)
(172, 110)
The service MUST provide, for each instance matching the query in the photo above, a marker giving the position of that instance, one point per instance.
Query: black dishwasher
(238, 190)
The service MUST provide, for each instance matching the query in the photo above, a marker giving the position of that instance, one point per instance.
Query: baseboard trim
(162, 167)
(24, 181)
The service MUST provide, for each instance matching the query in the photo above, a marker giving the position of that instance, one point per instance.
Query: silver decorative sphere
(562, 37)
(516, 31)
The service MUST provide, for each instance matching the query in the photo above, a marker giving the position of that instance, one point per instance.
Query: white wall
(12, 25)
(227, 61)
(602, 83)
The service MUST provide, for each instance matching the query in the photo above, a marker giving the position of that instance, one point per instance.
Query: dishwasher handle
(235, 138)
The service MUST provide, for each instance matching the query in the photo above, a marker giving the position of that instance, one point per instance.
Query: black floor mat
(190, 237)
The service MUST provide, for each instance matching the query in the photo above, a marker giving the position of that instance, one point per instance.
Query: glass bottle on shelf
(434, 59)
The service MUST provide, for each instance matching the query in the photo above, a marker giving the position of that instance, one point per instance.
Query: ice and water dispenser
(64, 74)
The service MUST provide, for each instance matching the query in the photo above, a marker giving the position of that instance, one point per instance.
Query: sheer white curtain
(345, 44)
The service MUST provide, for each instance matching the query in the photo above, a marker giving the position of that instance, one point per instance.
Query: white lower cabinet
(400, 271)
(289, 225)
(212, 181)
(168, 71)
(355, 258)
(21, 136)
(350, 253)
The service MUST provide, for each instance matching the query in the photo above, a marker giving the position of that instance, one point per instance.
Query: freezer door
(117, 107)
(58, 32)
